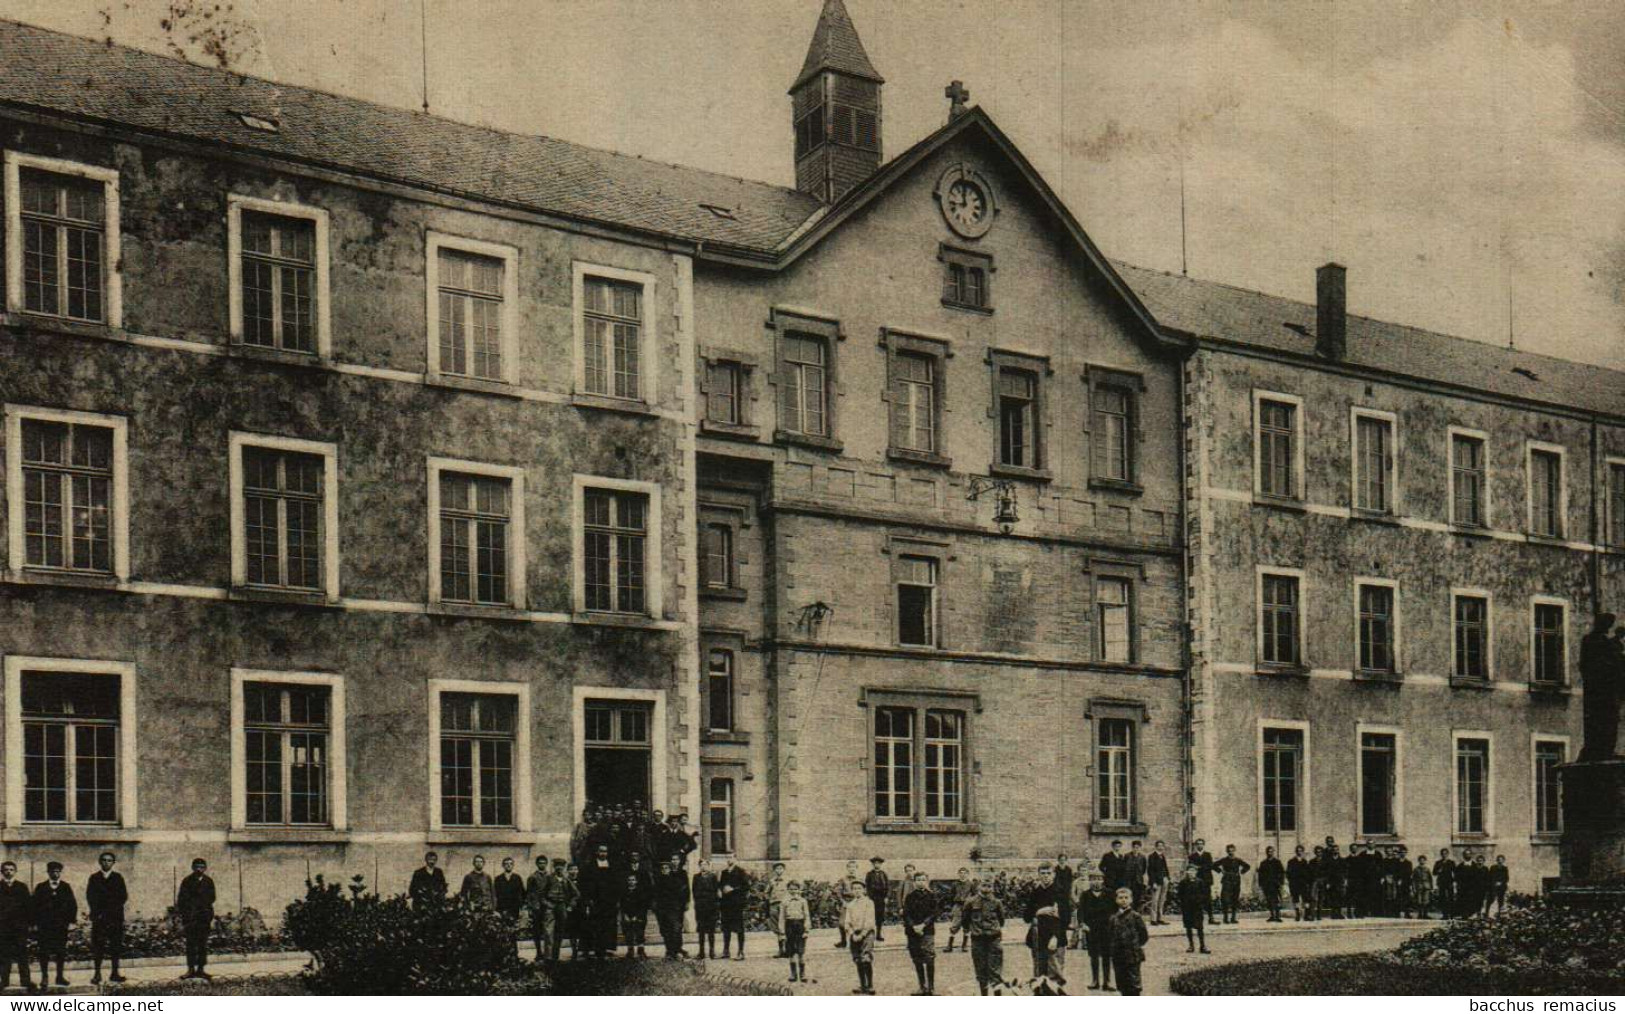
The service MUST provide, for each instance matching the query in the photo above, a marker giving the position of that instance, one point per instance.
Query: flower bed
(1538, 936)
(1386, 975)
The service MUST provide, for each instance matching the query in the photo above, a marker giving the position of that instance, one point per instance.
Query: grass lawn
(1375, 975)
(586, 978)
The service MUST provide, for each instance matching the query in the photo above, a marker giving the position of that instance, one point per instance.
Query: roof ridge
(1492, 346)
(241, 77)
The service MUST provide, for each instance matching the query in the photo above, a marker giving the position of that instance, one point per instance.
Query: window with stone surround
(1378, 606)
(920, 759)
(1278, 445)
(1549, 755)
(1379, 781)
(1546, 499)
(1549, 648)
(68, 471)
(72, 757)
(1472, 791)
(477, 759)
(62, 239)
(1281, 777)
(279, 275)
(1615, 496)
(1114, 427)
(719, 817)
(1115, 726)
(1469, 479)
(719, 689)
(1018, 410)
(1375, 469)
(1471, 623)
(476, 533)
(284, 514)
(1280, 618)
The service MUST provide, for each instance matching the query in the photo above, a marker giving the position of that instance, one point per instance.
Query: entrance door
(619, 753)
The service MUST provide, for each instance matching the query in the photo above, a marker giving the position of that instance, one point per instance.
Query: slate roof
(1215, 311)
(836, 46)
(115, 84)
(83, 78)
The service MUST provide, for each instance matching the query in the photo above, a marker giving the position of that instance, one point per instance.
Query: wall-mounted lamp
(1004, 500)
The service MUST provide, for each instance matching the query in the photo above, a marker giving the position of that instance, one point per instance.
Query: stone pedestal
(1592, 852)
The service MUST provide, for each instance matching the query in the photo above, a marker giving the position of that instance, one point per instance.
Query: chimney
(1331, 311)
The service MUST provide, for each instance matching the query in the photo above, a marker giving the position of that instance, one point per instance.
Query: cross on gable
(956, 93)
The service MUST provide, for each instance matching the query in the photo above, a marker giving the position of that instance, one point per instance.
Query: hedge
(1385, 975)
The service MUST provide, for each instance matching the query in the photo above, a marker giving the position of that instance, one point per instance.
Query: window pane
(1376, 628)
(1472, 637)
(1378, 771)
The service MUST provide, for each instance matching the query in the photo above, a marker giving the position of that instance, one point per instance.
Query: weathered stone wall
(173, 374)
(1418, 549)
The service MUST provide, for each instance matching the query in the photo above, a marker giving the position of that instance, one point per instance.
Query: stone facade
(182, 622)
(1321, 534)
(1018, 647)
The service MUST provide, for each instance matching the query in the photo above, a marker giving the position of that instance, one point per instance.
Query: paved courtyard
(1165, 955)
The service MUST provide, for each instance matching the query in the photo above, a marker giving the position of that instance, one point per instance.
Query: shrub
(241, 932)
(1539, 935)
(1384, 975)
(371, 945)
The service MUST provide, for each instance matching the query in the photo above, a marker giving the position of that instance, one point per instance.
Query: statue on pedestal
(1602, 670)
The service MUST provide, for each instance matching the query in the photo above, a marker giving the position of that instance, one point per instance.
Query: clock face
(966, 201)
(967, 205)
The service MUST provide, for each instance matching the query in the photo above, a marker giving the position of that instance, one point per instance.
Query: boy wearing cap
(983, 921)
(55, 909)
(878, 887)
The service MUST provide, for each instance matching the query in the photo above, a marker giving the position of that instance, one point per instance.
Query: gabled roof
(1223, 314)
(99, 82)
(836, 46)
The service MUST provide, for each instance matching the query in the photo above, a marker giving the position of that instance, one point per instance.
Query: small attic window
(719, 210)
(263, 124)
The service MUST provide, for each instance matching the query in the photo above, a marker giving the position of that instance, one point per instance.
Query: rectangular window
(1278, 619)
(967, 278)
(1018, 401)
(1114, 770)
(616, 541)
(286, 730)
(1113, 432)
(724, 389)
(475, 518)
(63, 219)
(1472, 785)
(283, 517)
(1379, 785)
(279, 290)
(1550, 643)
(1373, 464)
(806, 385)
(477, 753)
(920, 761)
(719, 822)
(894, 763)
(1616, 503)
(1377, 628)
(613, 336)
(1114, 609)
(944, 765)
(917, 601)
(914, 413)
(71, 747)
(717, 555)
(719, 690)
(1281, 775)
(1472, 623)
(1549, 756)
(471, 314)
(1277, 448)
(1467, 477)
(1546, 493)
(67, 479)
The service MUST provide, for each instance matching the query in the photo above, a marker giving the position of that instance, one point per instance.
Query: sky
(1464, 158)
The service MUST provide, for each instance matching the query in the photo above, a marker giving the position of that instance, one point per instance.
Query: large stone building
(1396, 540)
(375, 482)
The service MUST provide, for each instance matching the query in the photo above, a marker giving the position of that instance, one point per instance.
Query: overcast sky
(1460, 157)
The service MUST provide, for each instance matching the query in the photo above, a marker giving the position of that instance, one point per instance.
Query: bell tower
(835, 109)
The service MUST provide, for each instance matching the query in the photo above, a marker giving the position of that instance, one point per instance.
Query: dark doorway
(619, 753)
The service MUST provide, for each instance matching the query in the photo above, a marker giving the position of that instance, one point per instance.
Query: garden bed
(1383, 975)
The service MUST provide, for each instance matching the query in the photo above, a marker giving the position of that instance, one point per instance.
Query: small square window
(967, 279)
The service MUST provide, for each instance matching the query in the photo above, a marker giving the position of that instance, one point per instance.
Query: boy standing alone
(858, 920)
(1128, 936)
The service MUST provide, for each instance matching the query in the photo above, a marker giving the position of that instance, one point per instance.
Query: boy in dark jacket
(16, 917)
(1095, 908)
(920, 928)
(55, 909)
(1271, 875)
(105, 896)
(878, 886)
(635, 899)
(194, 903)
(1128, 936)
(1046, 934)
(704, 892)
(671, 901)
(733, 891)
(1193, 895)
(1231, 869)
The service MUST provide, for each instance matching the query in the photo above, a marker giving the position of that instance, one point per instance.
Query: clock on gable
(966, 200)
